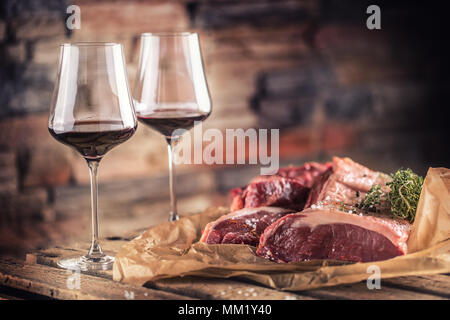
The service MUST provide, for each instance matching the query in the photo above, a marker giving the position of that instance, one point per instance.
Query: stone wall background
(309, 67)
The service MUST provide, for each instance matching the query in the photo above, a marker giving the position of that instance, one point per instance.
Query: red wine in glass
(91, 111)
(166, 121)
(93, 139)
(170, 90)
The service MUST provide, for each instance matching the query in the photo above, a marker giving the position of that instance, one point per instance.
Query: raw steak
(306, 174)
(242, 227)
(333, 234)
(347, 182)
(288, 188)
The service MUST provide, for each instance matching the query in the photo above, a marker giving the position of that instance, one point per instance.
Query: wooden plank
(50, 257)
(223, 289)
(202, 288)
(438, 277)
(432, 284)
(424, 287)
(359, 291)
(5, 296)
(10, 293)
(62, 284)
(229, 289)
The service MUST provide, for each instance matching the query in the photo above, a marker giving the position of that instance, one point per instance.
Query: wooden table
(39, 278)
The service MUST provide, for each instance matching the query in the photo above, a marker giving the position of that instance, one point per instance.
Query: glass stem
(171, 142)
(95, 251)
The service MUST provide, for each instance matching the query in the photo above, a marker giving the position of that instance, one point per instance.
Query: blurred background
(310, 68)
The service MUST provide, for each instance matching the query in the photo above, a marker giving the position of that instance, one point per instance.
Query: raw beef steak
(332, 234)
(242, 227)
(306, 174)
(288, 188)
(347, 182)
(273, 191)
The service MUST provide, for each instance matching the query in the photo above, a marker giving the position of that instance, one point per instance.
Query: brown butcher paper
(172, 250)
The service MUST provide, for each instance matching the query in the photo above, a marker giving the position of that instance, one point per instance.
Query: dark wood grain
(52, 282)
(193, 287)
(359, 291)
(40, 275)
(224, 289)
(432, 284)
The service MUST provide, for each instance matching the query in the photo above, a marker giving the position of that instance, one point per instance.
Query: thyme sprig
(372, 200)
(402, 198)
(404, 194)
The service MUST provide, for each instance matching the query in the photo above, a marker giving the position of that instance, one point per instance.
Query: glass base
(87, 263)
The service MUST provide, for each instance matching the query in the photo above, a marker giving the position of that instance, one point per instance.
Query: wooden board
(193, 287)
(47, 280)
(62, 284)
(360, 291)
(432, 284)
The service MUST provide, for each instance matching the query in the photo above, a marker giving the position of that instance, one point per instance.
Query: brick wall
(309, 67)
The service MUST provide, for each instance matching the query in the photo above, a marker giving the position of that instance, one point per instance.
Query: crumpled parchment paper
(172, 250)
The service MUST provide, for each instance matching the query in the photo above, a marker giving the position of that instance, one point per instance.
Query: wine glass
(170, 91)
(92, 112)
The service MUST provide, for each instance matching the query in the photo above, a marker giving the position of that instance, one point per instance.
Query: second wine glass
(170, 90)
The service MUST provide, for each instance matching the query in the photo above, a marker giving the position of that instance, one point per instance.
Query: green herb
(372, 200)
(401, 200)
(404, 194)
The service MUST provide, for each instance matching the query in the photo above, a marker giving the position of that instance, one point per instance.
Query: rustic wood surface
(39, 278)
(52, 282)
